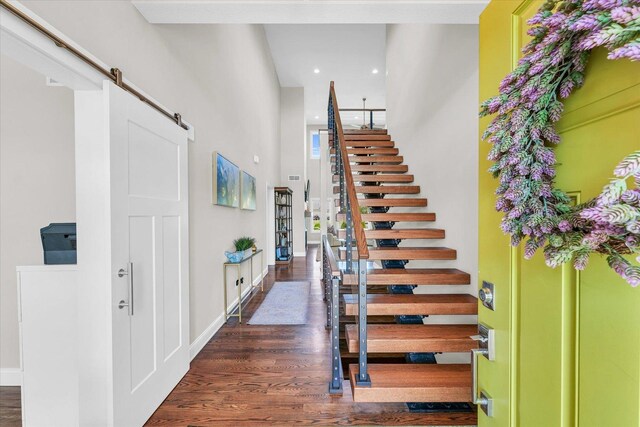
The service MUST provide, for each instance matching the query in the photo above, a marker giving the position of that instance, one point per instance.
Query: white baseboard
(10, 376)
(313, 242)
(264, 274)
(299, 254)
(211, 330)
(205, 336)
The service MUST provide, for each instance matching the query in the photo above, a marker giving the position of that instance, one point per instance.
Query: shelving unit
(284, 225)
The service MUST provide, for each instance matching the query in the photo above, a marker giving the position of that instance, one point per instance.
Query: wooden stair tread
(400, 233)
(412, 276)
(365, 151)
(413, 304)
(394, 216)
(379, 168)
(408, 253)
(362, 144)
(366, 137)
(376, 159)
(365, 131)
(371, 289)
(414, 338)
(413, 382)
(405, 202)
(373, 319)
(383, 189)
(377, 178)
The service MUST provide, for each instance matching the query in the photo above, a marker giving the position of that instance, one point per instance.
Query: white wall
(293, 152)
(37, 181)
(221, 78)
(432, 105)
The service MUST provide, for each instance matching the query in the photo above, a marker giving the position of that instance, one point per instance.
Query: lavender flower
(601, 4)
(581, 260)
(630, 51)
(625, 14)
(587, 22)
(564, 226)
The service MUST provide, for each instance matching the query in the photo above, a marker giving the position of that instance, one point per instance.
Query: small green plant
(244, 243)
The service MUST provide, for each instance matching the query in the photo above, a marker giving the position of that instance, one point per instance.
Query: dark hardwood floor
(277, 375)
(10, 410)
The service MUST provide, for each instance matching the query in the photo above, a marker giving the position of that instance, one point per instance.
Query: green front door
(567, 343)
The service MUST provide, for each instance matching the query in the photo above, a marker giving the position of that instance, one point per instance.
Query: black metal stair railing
(354, 239)
(331, 281)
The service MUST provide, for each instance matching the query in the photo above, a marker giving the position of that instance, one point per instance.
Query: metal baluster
(363, 376)
(371, 119)
(336, 361)
(327, 285)
(340, 167)
(349, 238)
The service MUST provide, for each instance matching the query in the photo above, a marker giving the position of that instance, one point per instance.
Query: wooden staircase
(383, 186)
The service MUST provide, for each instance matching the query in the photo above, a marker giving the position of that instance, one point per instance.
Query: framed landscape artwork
(247, 191)
(226, 182)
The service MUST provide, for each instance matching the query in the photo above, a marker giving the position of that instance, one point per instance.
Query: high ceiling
(311, 11)
(343, 39)
(346, 54)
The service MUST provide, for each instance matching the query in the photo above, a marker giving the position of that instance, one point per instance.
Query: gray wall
(37, 180)
(221, 78)
(432, 105)
(292, 157)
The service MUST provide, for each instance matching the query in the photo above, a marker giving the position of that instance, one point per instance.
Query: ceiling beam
(310, 11)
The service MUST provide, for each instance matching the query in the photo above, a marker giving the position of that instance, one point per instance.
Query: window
(315, 213)
(315, 145)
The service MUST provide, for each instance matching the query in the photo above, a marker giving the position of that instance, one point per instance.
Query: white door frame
(33, 49)
(270, 239)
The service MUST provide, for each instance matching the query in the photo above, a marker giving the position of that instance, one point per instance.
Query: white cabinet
(48, 338)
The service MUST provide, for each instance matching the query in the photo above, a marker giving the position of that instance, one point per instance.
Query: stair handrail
(332, 279)
(358, 229)
(350, 206)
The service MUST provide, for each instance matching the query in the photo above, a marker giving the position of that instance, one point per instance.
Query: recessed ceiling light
(356, 117)
(317, 117)
(316, 70)
(374, 71)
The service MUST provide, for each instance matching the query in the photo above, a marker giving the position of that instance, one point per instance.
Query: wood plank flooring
(10, 409)
(250, 375)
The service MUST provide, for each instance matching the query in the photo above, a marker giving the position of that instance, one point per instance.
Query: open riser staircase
(372, 310)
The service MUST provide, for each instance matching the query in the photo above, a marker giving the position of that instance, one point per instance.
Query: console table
(239, 285)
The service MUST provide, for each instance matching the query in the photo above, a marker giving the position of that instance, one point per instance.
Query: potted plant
(244, 245)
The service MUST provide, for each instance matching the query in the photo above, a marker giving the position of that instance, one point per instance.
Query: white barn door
(133, 257)
(149, 217)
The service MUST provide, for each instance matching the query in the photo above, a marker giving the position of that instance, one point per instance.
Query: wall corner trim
(10, 377)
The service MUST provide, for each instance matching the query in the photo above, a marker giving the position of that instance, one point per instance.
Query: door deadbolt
(486, 295)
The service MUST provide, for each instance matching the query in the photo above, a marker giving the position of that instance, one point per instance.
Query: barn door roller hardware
(114, 74)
